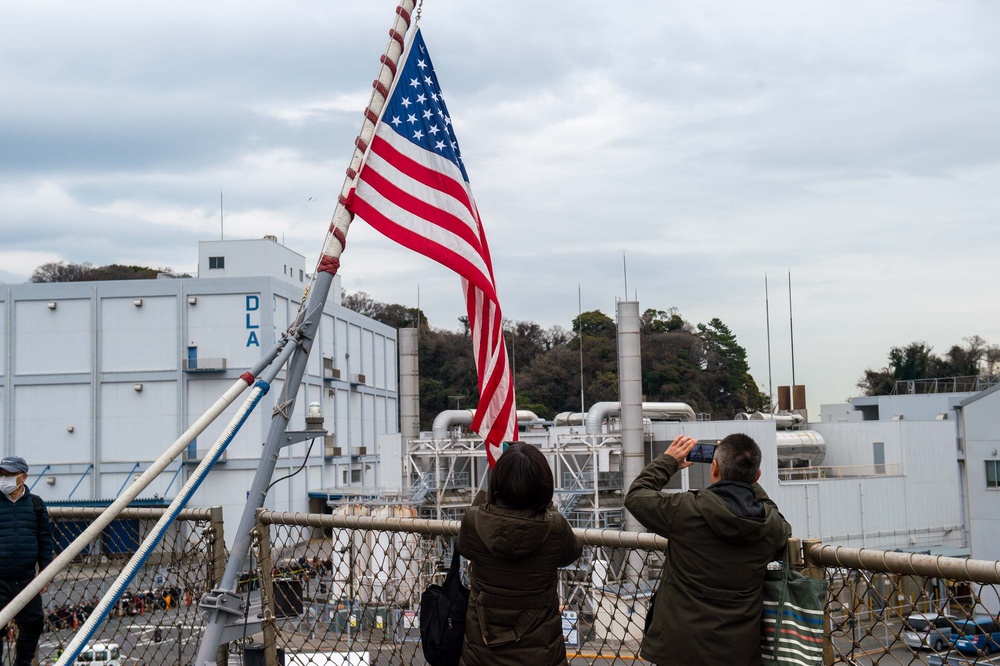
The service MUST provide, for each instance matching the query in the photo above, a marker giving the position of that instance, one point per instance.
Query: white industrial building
(97, 379)
(979, 443)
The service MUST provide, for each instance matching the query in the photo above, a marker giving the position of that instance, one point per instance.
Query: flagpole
(223, 606)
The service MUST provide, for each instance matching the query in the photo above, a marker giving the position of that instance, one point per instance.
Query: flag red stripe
(422, 209)
(422, 174)
(418, 243)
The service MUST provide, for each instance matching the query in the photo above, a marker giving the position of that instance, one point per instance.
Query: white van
(101, 654)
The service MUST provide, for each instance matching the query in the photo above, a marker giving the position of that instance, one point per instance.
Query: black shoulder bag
(442, 617)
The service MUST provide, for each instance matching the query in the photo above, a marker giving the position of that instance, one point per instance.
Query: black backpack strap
(36, 501)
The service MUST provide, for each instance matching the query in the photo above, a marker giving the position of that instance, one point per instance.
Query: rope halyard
(336, 238)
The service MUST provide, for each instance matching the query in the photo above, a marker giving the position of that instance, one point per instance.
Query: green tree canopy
(917, 360)
(60, 271)
(702, 365)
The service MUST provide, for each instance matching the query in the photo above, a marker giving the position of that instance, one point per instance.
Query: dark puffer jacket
(25, 538)
(708, 607)
(513, 616)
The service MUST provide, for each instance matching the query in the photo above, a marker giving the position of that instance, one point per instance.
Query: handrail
(131, 513)
(932, 566)
(595, 537)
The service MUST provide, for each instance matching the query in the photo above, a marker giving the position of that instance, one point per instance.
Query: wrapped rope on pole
(114, 594)
(336, 239)
(93, 531)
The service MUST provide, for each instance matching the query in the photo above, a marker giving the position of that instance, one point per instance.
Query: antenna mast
(767, 317)
(791, 328)
(625, 273)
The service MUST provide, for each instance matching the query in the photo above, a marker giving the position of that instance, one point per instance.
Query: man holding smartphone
(707, 610)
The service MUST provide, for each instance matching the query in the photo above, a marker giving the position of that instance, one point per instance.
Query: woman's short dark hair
(521, 479)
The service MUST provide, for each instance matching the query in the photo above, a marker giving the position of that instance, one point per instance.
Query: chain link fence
(892, 608)
(157, 620)
(351, 584)
(345, 589)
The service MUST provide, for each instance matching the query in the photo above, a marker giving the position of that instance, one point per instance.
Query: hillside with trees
(917, 361)
(702, 365)
(61, 271)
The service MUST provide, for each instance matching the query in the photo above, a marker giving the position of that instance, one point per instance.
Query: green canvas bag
(793, 618)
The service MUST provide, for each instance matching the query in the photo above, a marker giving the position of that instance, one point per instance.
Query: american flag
(413, 188)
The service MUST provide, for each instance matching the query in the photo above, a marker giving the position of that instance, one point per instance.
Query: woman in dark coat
(515, 542)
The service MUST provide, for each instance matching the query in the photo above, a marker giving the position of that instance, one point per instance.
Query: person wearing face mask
(25, 549)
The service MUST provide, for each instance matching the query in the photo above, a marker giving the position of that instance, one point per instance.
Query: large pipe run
(409, 385)
(630, 391)
(655, 411)
(449, 418)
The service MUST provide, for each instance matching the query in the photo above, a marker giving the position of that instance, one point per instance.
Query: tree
(659, 321)
(726, 378)
(917, 360)
(704, 366)
(390, 314)
(58, 271)
(914, 361)
(594, 324)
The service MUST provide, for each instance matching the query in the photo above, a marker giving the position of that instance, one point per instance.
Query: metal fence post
(819, 571)
(262, 539)
(216, 567)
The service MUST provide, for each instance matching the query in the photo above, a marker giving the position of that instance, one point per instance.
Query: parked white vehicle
(101, 654)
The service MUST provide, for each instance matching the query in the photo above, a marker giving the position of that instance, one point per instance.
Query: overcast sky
(855, 144)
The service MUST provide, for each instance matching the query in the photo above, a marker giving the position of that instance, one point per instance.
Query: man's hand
(679, 450)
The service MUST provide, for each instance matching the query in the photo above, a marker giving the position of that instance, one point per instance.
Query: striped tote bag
(792, 624)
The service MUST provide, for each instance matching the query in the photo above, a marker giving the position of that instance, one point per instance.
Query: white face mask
(8, 484)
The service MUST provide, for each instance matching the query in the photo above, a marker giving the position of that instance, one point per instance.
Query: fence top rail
(590, 537)
(931, 566)
(134, 513)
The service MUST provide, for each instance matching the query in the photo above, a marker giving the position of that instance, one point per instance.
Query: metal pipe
(127, 477)
(917, 564)
(605, 537)
(409, 385)
(630, 391)
(663, 411)
(449, 418)
(41, 474)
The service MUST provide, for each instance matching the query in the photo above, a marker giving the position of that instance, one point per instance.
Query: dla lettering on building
(131, 364)
(253, 306)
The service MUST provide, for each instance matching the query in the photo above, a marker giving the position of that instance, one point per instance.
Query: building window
(301, 276)
(355, 476)
(216, 262)
(993, 473)
(345, 477)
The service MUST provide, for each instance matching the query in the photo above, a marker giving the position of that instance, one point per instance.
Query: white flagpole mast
(223, 606)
